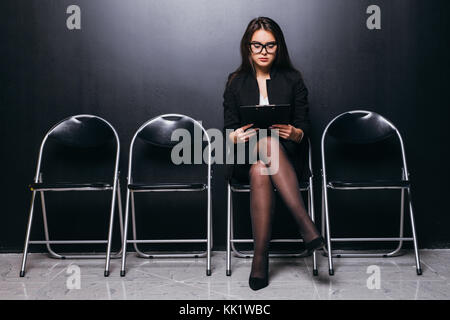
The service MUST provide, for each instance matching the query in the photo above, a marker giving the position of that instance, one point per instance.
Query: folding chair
(365, 127)
(231, 240)
(76, 132)
(158, 132)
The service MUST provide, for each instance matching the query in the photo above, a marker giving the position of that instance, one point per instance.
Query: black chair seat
(241, 186)
(365, 184)
(162, 186)
(68, 185)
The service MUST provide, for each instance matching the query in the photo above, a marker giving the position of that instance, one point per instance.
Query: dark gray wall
(133, 60)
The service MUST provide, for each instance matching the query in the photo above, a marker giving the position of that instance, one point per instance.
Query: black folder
(263, 116)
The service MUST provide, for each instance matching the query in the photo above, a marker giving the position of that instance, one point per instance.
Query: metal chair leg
(142, 254)
(110, 231)
(52, 253)
(27, 237)
(327, 224)
(312, 215)
(416, 247)
(396, 251)
(119, 206)
(393, 253)
(125, 232)
(209, 234)
(402, 214)
(212, 229)
(322, 212)
(229, 212)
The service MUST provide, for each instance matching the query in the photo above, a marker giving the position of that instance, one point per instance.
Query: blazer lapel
(251, 96)
(272, 92)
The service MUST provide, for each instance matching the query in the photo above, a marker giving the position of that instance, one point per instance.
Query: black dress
(284, 86)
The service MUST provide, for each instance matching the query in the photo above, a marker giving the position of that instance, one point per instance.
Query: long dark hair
(282, 60)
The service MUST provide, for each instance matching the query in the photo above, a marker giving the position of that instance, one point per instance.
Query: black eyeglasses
(257, 47)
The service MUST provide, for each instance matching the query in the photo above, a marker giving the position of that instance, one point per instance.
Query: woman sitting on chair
(266, 74)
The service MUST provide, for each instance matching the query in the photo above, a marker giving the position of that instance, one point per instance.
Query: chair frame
(130, 198)
(325, 209)
(115, 192)
(231, 240)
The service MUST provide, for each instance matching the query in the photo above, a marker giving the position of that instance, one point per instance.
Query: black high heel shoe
(257, 283)
(315, 244)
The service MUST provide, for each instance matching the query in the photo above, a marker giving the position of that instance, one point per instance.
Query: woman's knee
(266, 147)
(258, 172)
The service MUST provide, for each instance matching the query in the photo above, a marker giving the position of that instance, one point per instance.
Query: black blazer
(284, 86)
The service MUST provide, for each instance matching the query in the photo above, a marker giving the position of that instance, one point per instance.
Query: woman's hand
(240, 135)
(289, 132)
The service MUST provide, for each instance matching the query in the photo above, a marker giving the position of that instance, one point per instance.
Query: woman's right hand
(241, 136)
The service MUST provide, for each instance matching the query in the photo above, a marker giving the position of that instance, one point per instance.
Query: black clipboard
(263, 116)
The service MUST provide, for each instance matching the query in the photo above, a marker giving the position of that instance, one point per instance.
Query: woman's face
(263, 57)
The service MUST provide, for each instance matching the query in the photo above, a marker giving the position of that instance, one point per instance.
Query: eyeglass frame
(263, 46)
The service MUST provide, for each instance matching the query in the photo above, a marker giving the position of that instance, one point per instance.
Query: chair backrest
(81, 131)
(158, 132)
(84, 131)
(360, 127)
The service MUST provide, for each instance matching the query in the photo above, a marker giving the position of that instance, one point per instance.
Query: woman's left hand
(289, 132)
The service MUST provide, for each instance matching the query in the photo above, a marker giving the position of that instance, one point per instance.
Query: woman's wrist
(232, 136)
(299, 136)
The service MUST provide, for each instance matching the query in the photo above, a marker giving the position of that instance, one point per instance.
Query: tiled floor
(290, 278)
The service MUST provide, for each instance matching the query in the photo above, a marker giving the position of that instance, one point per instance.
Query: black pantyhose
(264, 175)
